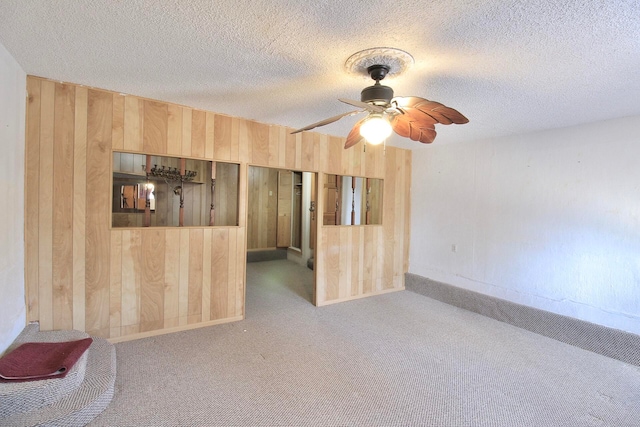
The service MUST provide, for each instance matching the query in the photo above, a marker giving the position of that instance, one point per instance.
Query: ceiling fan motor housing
(377, 94)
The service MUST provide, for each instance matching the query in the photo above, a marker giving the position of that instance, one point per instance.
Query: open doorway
(281, 222)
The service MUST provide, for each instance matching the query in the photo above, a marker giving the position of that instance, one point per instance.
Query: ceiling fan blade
(354, 136)
(418, 130)
(327, 121)
(414, 106)
(371, 107)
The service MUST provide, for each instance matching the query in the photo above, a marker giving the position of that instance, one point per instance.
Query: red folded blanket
(42, 360)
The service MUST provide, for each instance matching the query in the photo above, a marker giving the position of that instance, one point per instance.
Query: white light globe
(375, 130)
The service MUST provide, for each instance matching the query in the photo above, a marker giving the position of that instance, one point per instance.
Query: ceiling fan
(410, 116)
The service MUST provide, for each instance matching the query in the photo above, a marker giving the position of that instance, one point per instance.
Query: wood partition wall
(125, 283)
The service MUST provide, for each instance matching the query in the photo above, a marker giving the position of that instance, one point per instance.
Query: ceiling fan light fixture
(375, 129)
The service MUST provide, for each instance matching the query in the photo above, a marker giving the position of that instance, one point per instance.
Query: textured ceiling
(509, 66)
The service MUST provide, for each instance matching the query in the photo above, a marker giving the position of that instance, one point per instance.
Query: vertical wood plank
(368, 257)
(219, 272)
(361, 261)
(222, 137)
(332, 263)
(187, 122)
(117, 128)
(156, 117)
(115, 284)
(242, 195)
(245, 152)
(323, 154)
(389, 217)
(298, 152)
(235, 140)
(356, 260)
(241, 267)
(290, 151)
(335, 155)
(172, 278)
(45, 206)
(209, 136)
(152, 284)
(320, 245)
(31, 198)
(308, 142)
(198, 133)
(79, 206)
(257, 135)
(174, 130)
(232, 288)
(131, 270)
(274, 145)
(370, 160)
(282, 147)
(196, 241)
(206, 274)
(318, 141)
(345, 262)
(62, 261)
(99, 123)
(183, 296)
(133, 122)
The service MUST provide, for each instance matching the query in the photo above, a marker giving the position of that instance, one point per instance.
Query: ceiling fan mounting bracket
(378, 72)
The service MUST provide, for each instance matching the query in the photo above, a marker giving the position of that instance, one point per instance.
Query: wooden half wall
(116, 283)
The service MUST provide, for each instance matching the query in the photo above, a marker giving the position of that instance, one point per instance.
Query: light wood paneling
(174, 130)
(262, 208)
(219, 273)
(222, 137)
(196, 240)
(115, 284)
(209, 138)
(117, 128)
(183, 287)
(64, 111)
(45, 212)
(172, 278)
(31, 199)
(80, 205)
(154, 131)
(187, 123)
(99, 123)
(152, 283)
(133, 123)
(283, 225)
(119, 283)
(198, 133)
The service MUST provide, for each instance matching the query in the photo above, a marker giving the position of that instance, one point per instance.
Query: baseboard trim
(620, 345)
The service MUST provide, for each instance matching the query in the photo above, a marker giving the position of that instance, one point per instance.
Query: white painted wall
(549, 219)
(12, 127)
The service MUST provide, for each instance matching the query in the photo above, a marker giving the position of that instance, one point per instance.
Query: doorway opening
(281, 220)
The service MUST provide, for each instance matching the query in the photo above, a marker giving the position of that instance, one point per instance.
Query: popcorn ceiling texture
(510, 66)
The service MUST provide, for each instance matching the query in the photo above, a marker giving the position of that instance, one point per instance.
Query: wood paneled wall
(262, 209)
(81, 273)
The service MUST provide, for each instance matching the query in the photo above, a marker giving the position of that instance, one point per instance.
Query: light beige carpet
(399, 359)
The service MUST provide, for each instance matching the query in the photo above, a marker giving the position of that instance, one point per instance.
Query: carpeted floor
(399, 359)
